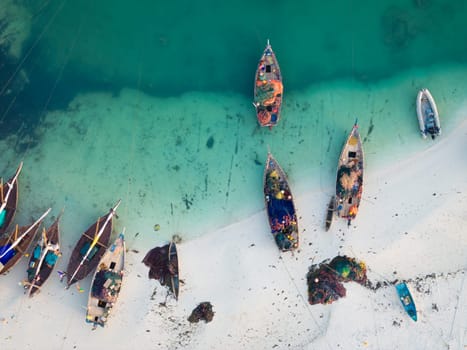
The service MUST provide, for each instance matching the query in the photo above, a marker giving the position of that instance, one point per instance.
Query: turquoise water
(151, 102)
(168, 48)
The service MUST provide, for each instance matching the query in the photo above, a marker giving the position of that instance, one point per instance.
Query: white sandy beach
(410, 226)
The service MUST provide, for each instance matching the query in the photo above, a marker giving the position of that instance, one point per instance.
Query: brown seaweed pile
(202, 312)
(325, 279)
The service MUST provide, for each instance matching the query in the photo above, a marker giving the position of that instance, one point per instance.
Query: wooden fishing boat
(9, 198)
(90, 248)
(427, 113)
(330, 212)
(106, 283)
(43, 258)
(173, 268)
(280, 206)
(349, 183)
(15, 245)
(406, 299)
(268, 89)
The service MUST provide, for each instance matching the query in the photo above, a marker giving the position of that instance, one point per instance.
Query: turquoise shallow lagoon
(151, 102)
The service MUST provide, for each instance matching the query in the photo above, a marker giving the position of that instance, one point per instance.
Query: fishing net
(325, 280)
(157, 260)
(107, 285)
(264, 93)
(202, 312)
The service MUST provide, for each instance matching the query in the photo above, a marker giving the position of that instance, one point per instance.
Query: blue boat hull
(406, 299)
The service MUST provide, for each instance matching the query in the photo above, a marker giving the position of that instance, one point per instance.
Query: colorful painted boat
(280, 206)
(16, 244)
(106, 283)
(9, 198)
(406, 299)
(268, 89)
(349, 183)
(43, 258)
(427, 113)
(90, 248)
(173, 268)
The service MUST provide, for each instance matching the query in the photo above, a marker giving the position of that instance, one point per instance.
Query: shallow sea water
(151, 102)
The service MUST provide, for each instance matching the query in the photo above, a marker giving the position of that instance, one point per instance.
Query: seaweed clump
(325, 280)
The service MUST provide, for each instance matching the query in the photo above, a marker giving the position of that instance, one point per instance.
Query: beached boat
(174, 282)
(406, 299)
(268, 89)
(427, 113)
(280, 206)
(9, 198)
(349, 183)
(90, 248)
(330, 212)
(15, 245)
(43, 258)
(106, 283)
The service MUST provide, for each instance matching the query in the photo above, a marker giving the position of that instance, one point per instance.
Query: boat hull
(106, 283)
(427, 114)
(39, 270)
(268, 89)
(90, 248)
(14, 246)
(330, 213)
(8, 213)
(280, 206)
(174, 269)
(349, 182)
(406, 299)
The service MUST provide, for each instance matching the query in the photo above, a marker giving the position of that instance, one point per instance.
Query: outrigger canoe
(280, 206)
(268, 89)
(43, 258)
(90, 248)
(9, 198)
(106, 283)
(427, 113)
(406, 299)
(349, 183)
(16, 244)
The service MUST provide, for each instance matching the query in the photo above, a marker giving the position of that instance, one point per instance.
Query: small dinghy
(427, 113)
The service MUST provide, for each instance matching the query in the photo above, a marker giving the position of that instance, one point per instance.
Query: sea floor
(195, 163)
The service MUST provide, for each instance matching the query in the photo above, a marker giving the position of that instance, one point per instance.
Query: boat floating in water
(268, 89)
(427, 113)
